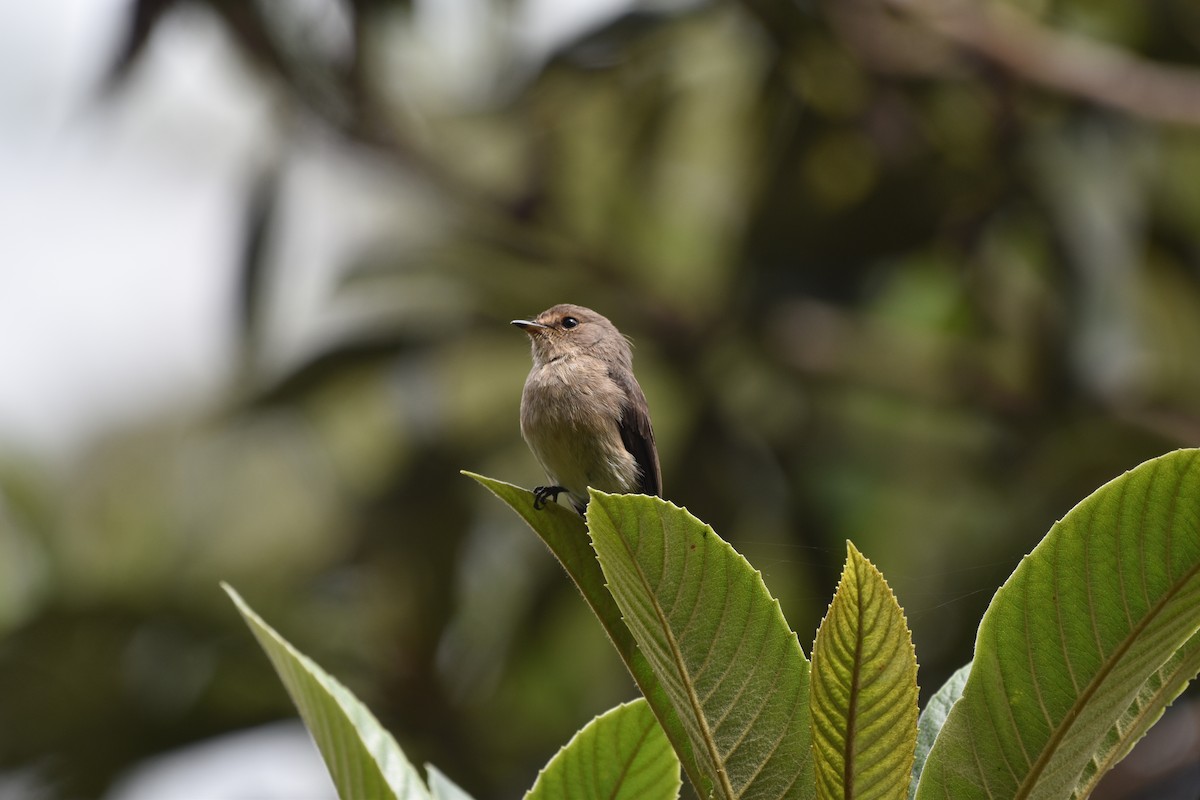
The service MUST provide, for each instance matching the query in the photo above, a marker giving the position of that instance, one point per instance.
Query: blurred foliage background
(918, 274)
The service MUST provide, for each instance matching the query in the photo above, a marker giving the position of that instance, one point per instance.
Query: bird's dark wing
(638, 438)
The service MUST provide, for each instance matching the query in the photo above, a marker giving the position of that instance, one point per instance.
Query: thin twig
(1016, 42)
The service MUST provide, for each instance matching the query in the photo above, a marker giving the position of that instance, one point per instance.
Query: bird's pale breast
(569, 409)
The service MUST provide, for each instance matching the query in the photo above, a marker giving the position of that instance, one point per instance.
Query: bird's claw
(543, 493)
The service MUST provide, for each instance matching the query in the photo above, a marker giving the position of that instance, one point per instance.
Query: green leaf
(933, 717)
(622, 754)
(716, 640)
(1083, 646)
(864, 690)
(565, 534)
(1152, 700)
(363, 758)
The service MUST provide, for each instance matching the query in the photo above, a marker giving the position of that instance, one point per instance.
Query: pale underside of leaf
(933, 717)
(442, 788)
(363, 758)
(1156, 694)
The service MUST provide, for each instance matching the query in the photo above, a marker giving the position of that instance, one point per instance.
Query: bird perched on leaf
(583, 414)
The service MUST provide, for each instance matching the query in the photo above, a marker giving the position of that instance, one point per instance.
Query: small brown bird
(583, 413)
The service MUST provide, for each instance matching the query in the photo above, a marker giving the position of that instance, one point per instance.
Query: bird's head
(567, 330)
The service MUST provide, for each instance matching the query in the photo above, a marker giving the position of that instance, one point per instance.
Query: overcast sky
(119, 222)
(98, 319)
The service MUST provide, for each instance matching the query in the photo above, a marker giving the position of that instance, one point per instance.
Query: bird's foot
(543, 493)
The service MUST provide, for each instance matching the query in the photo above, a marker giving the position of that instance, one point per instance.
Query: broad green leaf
(933, 717)
(565, 534)
(716, 640)
(864, 690)
(442, 788)
(1083, 646)
(363, 758)
(1152, 700)
(622, 754)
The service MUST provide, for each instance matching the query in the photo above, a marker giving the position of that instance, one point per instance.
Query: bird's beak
(529, 326)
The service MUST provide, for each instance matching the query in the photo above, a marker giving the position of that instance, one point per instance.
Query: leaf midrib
(710, 744)
(1153, 704)
(619, 785)
(855, 688)
(1083, 700)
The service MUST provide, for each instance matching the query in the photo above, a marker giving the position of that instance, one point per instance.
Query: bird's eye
(569, 322)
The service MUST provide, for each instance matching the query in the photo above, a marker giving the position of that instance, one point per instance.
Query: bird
(583, 414)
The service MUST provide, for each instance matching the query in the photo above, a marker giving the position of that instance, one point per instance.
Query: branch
(1014, 41)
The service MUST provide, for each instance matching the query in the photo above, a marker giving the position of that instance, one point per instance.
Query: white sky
(116, 225)
(119, 223)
